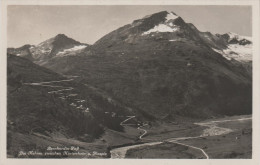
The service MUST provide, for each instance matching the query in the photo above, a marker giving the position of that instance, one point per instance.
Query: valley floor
(229, 137)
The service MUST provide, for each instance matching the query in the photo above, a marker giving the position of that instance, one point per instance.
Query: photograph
(129, 81)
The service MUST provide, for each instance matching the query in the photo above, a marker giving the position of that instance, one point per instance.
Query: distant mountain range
(162, 26)
(58, 46)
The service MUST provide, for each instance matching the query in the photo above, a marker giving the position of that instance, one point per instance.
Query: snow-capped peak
(166, 26)
(238, 48)
(171, 16)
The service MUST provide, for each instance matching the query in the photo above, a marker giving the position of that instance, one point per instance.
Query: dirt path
(211, 126)
(145, 131)
(197, 148)
(119, 153)
(48, 82)
(129, 117)
(139, 128)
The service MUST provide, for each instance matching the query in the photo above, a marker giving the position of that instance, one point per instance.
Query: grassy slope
(28, 71)
(37, 119)
(31, 110)
(156, 78)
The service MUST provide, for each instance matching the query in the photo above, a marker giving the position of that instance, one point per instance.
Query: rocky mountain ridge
(162, 65)
(58, 46)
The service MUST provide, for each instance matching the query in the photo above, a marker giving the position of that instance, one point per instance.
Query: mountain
(28, 71)
(160, 26)
(158, 69)
(58, 46)
(233, 38)
(162, 65)
(45, 108)
(23, 51)
(238, 47)
(170, 27)
(212, 40)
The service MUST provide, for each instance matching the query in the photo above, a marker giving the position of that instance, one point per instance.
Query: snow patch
(75, 48)
(45, 51)
(222, 53)
(73, 95)
(32, 47)
(237, 52)
(71, 50)
(242, 49)
(72, 104)
(171, 16)
(166, 26)
(162, 28)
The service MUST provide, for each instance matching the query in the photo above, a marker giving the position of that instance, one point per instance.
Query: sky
(86, 24)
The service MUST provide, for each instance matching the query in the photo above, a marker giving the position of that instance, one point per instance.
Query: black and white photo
(130, 82)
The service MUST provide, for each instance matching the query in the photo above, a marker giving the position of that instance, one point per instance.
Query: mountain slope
(161, 65)
(23, 51)
(45, 108)
(28, 71)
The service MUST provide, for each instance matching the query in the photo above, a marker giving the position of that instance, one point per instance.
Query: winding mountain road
(211, 130)
(129, 117)
(48, 82)
(211, 126)
(145, 131)
(197, 148)
(59, 90)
